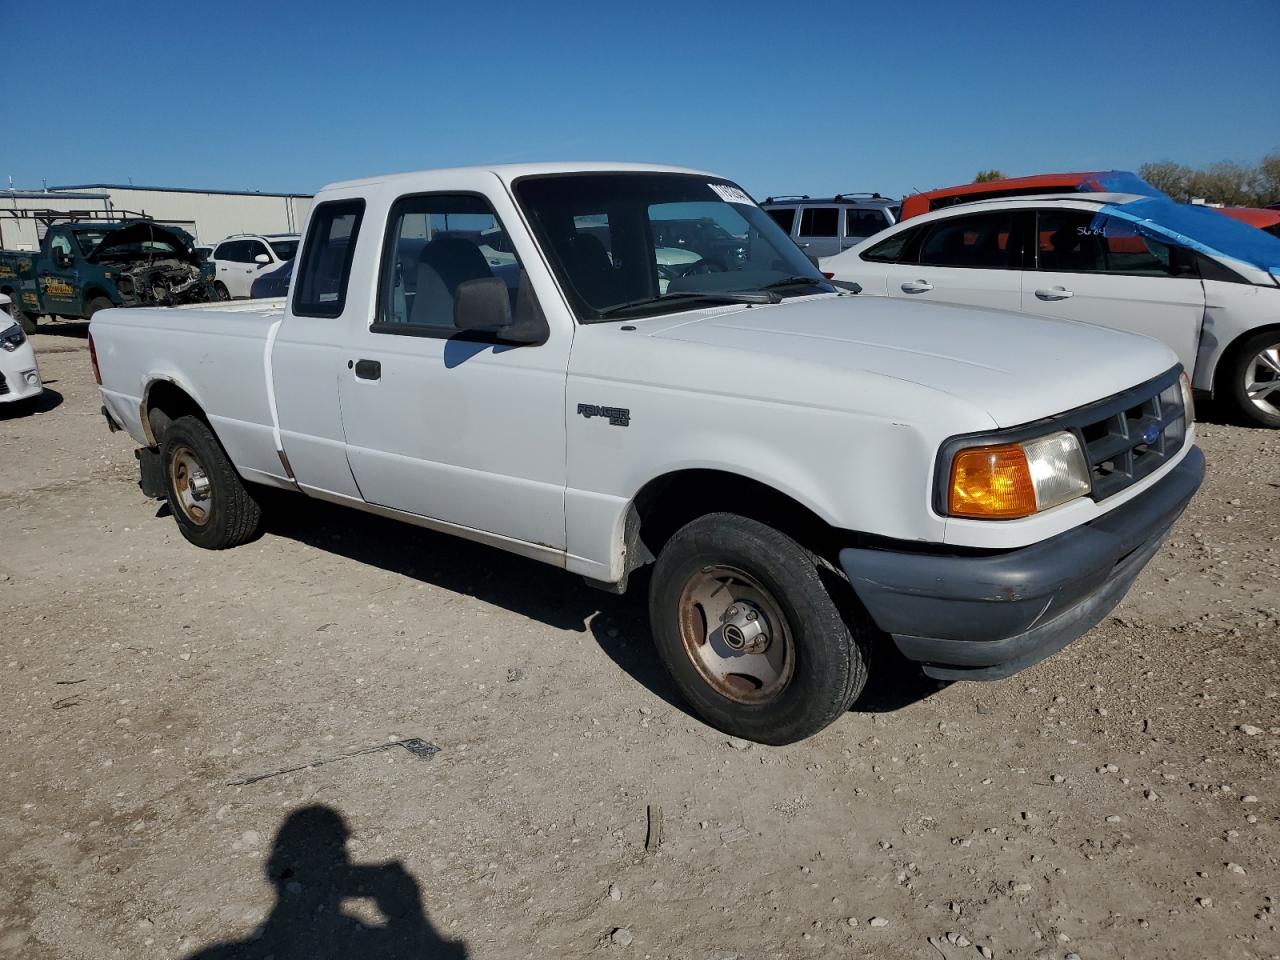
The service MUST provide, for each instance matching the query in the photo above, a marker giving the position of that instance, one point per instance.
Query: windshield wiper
(712, 296)
(794, 281)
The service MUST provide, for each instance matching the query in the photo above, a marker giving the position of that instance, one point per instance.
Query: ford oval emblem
(1150, 435)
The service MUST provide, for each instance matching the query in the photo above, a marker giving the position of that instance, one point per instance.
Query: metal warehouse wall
(209, 216)
(217, 215)
(24, 234)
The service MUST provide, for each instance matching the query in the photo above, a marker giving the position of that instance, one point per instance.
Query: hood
(138, 233)
(1017, 368)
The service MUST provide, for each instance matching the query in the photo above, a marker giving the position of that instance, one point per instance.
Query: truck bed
(216, 353)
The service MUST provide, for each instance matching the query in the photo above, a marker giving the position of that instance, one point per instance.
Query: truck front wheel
(28, 322)
(96, 304)
(745, 621)
(213, 507)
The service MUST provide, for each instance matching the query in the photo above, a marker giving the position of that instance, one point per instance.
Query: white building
(208, 215)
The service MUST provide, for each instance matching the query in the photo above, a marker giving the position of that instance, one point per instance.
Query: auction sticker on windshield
(731, 194)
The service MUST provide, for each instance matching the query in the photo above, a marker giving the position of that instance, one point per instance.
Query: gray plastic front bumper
(987, 616)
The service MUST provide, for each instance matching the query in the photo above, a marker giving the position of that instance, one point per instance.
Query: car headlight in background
(12, 337)
(1011, 480)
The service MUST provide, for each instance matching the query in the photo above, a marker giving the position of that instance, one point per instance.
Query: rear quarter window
(891, 250)
(321, 287)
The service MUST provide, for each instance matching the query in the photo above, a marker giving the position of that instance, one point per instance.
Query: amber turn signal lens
(992, 482)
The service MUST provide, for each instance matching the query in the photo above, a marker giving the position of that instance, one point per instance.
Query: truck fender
(167, 381)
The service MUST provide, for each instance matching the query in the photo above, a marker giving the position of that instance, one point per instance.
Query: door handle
(917, 286)
(1055, 293)
(368, 370)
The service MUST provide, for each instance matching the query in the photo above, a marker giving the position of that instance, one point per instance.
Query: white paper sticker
(730, 194)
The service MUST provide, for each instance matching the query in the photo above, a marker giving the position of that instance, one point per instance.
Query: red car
(1096, 181)
(1264, 218)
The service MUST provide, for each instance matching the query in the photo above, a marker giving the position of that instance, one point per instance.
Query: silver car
(825, 226)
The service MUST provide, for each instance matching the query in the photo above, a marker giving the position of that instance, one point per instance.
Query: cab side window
(60, 244)
(1080, 241)
(980, 241)
(325, 268)
(434, 244)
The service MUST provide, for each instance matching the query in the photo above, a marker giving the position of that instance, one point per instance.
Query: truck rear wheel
(745, 621)
(213, 507)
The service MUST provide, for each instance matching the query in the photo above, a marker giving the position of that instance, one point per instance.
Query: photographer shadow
(314, 880)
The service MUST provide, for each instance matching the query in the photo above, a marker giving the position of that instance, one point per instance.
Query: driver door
(60, 287)
(440, 423)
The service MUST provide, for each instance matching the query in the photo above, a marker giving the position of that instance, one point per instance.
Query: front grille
(1133, 435)
(4, 385)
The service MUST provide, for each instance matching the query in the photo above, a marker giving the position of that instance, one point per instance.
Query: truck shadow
(618, 624)
(313, 879)
(76, 329)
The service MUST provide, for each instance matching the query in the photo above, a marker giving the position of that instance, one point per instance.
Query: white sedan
(19, 374)
(1206, 285)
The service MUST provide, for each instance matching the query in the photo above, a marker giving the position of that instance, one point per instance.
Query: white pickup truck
(508, 354)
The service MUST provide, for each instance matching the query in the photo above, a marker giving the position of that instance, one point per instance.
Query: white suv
(241, 259)
(1205, 284)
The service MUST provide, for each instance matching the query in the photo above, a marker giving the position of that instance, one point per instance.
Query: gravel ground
(1117, 800)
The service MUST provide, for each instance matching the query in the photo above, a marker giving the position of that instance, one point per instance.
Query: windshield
(284, 249)
(1203, 229)
(626, 245)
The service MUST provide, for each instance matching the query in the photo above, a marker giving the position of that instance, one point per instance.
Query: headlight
(12, 337)
(1011, 480)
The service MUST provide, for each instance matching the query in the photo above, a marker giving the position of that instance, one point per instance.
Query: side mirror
(63, 259)
(262, 259)
(484, 306)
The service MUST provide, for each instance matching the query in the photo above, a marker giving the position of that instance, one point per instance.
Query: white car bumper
(19, 374)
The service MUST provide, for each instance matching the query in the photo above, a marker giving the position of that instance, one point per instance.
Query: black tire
(1235, 378)
(228, 515)
(95, 304)
(829, 667)
(220, 291)
(28, 322)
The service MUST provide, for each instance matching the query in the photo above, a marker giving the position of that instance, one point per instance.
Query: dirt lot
(1119, 800)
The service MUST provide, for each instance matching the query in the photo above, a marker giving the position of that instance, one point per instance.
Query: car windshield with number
(629, 245)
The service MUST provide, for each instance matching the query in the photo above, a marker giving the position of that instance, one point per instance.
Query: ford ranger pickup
(508, 354)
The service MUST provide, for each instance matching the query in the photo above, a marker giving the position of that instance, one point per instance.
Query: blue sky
(782, 97)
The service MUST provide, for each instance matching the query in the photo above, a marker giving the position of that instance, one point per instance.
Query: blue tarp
(1119, 181)
(1200, 228)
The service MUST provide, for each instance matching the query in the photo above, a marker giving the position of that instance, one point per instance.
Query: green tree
(1269, 169)
(1226, 182)
(986, 176)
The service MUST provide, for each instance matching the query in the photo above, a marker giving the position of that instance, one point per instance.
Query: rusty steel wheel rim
(735, 634)
(191, 485)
